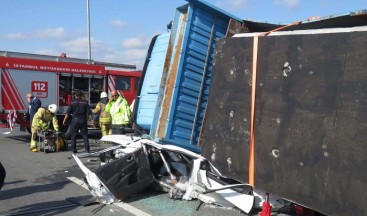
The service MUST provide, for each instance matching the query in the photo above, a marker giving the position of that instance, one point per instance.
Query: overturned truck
(288, 112)
(296, 129)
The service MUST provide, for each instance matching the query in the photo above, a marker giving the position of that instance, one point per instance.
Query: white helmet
(52, 108)
(103, 94)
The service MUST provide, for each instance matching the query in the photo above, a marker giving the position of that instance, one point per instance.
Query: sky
(121, 30)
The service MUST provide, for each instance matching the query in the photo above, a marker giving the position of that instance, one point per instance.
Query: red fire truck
(53, 79)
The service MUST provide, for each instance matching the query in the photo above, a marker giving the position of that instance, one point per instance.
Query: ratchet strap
(251, 165)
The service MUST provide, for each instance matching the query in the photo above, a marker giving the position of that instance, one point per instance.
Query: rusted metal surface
(171, 79)
(236, 27)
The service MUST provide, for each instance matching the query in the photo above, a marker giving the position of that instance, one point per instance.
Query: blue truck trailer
(174, 94)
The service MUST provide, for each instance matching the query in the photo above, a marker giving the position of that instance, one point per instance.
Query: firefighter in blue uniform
(80, 111)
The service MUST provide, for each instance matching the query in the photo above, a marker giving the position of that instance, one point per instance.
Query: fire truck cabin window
(95, 90)
(65, 83)
(65, 90)
(122, 83)
(81, 83)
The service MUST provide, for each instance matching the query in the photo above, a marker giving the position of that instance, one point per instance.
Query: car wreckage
(133, 164)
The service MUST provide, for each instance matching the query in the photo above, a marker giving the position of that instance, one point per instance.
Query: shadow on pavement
(14, 182)
(23, 191)
(46, 208)
(21, 138)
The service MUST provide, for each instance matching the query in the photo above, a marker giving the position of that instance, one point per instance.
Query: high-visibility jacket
(42, 118)
(119, 110)
(104, 116)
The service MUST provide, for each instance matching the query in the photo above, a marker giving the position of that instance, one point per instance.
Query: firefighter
(120, 112)
(41, 121)
(80, 110)
(105, 119)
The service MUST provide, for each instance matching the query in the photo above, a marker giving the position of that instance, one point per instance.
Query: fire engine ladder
(63, 59)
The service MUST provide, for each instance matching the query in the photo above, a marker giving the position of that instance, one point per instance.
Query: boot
(87, 150)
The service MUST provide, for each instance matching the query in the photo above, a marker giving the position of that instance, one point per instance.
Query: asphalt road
(51, 184)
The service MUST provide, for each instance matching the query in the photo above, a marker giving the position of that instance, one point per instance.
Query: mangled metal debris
(134, 164)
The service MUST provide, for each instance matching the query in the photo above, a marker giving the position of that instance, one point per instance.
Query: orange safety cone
(266, 209)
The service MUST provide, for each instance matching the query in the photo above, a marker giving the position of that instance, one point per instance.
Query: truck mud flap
(127, 175)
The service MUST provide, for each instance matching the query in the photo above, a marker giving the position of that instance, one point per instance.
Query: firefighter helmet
(52, 108)
(103, 94)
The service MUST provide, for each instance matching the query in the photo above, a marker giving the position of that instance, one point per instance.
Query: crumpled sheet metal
(198, 185)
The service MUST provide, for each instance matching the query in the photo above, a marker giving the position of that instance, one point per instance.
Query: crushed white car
(133, 164)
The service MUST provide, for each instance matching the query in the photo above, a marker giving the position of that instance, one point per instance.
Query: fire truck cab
(54, 79)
